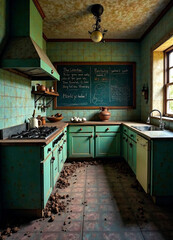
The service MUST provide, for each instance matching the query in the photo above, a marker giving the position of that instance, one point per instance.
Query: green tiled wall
(89, 51)
(16, 101)
(163, 28)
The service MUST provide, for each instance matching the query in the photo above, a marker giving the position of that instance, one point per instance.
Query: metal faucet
(161, 123)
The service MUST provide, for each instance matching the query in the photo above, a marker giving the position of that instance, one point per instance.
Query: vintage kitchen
(86, 128)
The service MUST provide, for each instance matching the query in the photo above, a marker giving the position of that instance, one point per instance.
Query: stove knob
(53, 158)
(49, 149)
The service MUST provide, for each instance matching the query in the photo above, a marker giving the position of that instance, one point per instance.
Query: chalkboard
(92, 85)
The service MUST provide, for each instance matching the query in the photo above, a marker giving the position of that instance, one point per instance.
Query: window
(169, 82)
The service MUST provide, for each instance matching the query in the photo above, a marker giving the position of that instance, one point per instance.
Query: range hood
(23, 53)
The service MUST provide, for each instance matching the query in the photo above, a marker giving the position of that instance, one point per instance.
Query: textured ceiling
(124, 19)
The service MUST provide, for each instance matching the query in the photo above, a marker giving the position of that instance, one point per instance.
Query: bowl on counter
(54, 118)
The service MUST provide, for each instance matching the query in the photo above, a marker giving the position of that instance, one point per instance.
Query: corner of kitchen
(86, 127)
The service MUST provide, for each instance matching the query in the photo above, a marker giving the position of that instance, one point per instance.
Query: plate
(77, 121)
(54, 119)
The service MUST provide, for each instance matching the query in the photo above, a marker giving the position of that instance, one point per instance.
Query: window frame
(166, 80)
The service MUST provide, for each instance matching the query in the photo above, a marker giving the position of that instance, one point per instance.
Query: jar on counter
(43, 119)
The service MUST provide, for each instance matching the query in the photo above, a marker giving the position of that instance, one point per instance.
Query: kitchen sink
(147, 128)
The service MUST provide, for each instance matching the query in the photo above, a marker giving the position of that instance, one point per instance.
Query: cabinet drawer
(125, 130)
(132, 135)
(47, 150)
(115, 128)
(78, 129)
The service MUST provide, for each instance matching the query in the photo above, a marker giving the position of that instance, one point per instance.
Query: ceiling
(124, 19)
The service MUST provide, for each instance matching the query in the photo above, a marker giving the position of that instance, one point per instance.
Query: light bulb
(96, 36)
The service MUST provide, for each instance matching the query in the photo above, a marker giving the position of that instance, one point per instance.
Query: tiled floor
(106, 204)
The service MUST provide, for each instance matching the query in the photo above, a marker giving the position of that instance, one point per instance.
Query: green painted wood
(80, 145)
(107, 145)
(19, 15)
(132, 154)
(80, 128)
(65, 146)
(60, 159)
(35, 25)
(124, 146)
(132, 134)
(125, 129)
(26, 63)
(161, 168)
(20, 171)
(48, 69)
(108, 128)
(47, 179)
(55, 165)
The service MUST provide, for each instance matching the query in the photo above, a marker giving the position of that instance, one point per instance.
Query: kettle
(34, 122)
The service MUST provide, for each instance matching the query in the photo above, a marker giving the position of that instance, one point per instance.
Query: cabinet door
(65, 148)
(60, 157)
(55, 166)
(107, 144)
(80, 145)
(124, 146)
(47, 179)
(132, 154)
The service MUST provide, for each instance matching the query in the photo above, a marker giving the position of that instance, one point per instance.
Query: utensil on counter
(54, 119)
(34, 122)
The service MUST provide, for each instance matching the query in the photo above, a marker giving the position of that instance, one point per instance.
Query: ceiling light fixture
(97, 35)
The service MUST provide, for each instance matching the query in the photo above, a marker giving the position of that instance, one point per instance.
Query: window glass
(170, 107)
(170, 92)
(171, 75)
(171, 59)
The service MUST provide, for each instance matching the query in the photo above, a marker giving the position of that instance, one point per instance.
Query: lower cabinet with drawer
(81, 142)
(107, 141)
(93, 141)
(129, 147)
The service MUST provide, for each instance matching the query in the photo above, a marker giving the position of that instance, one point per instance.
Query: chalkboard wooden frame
(133, 64)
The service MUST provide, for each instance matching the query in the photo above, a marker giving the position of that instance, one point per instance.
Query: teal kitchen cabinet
(107, 141)
(129, 147)
(124, 146)
(65, 145)
(81, 141)
(29, 174)
(161, 183)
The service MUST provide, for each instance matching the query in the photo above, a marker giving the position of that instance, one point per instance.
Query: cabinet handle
(49, 149)
(131, 135)
(125, 130)
(65, 130)
(97, 135)
(52, 71)
(53, 158)
(80, 129)
(107, 129)
(65, 141)
(131, 145)
(91, 136)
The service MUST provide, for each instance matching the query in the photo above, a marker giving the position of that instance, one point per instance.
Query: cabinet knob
(65, 130)
(97, 135)
(49, 149)
(131, 135)
(125, 130)
(52, 71)
(91, 136)
(80, 129)
(53, 158)
(107, 129)
(65, 141)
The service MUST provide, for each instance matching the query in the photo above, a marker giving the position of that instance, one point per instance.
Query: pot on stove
(33, 122)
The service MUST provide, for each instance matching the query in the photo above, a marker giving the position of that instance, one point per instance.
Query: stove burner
(35, 133)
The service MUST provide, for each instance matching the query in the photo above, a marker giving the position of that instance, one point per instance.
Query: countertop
(165, 134)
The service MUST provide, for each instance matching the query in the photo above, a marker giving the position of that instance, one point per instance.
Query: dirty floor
(105, 203)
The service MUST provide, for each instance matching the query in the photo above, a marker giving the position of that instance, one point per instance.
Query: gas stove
(35, 133)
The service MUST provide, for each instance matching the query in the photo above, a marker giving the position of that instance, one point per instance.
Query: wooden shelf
(45, 93)
(42, 95)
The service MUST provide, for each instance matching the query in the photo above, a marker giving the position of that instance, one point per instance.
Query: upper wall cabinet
(24, 49)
